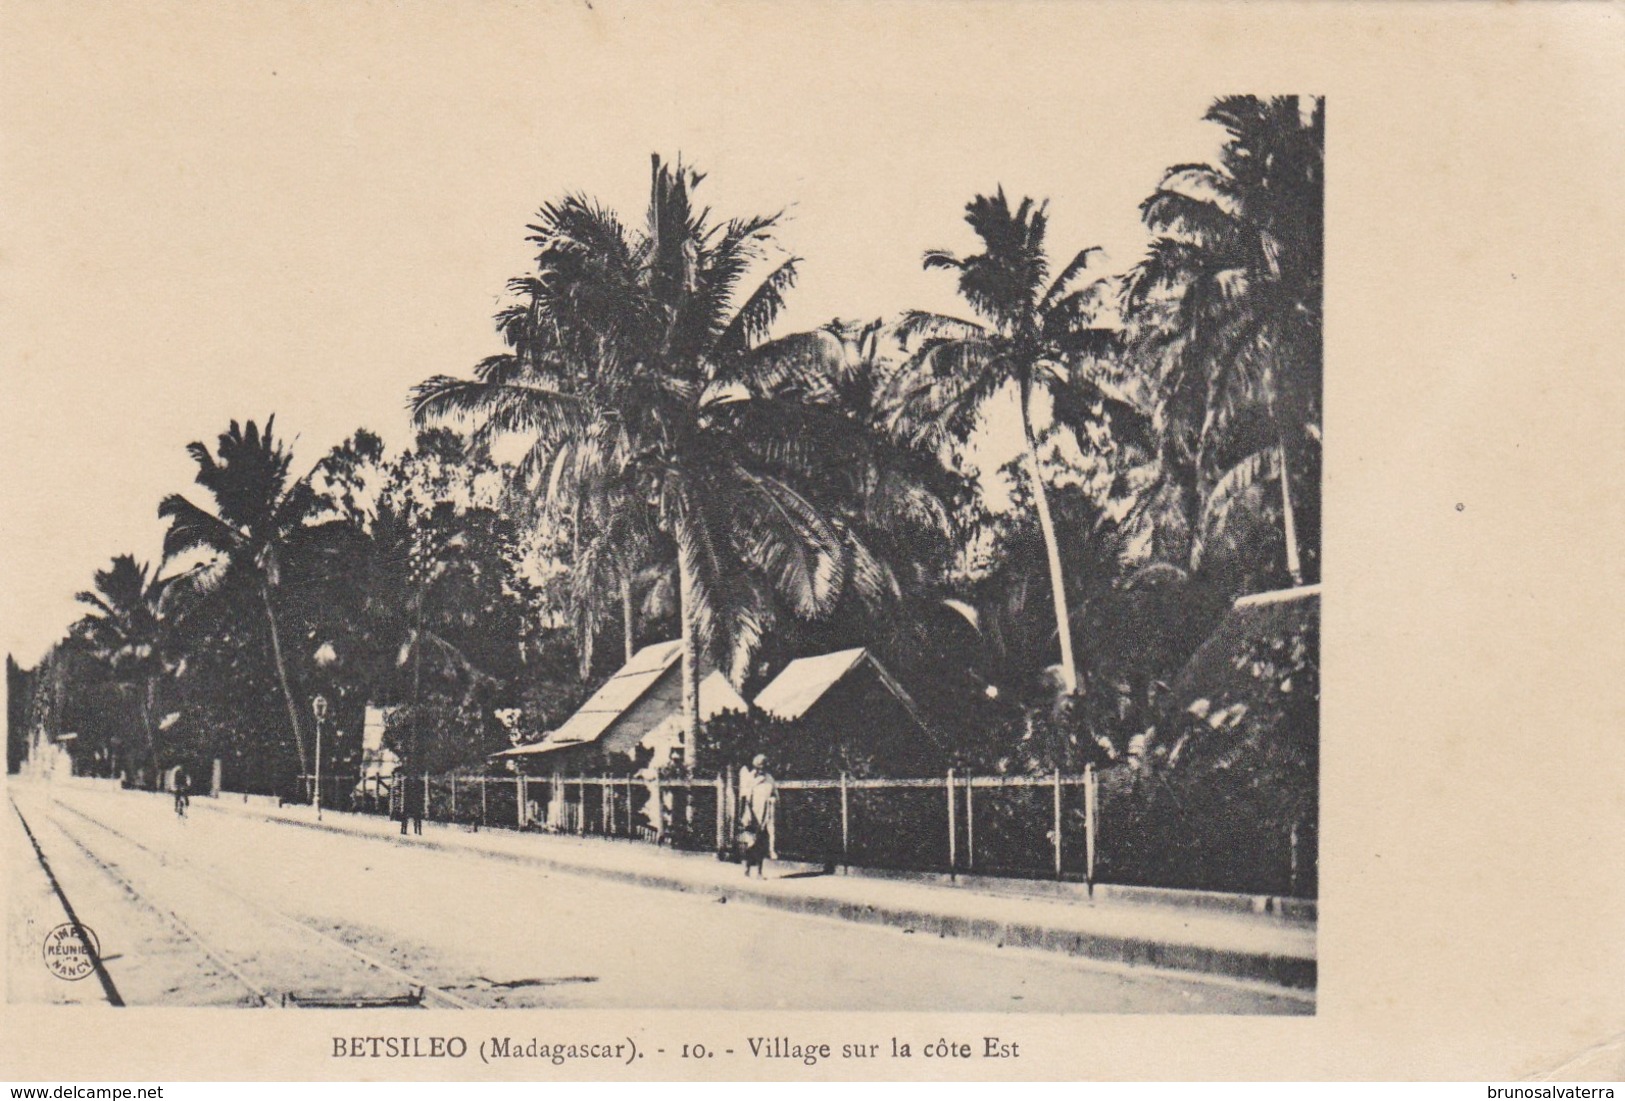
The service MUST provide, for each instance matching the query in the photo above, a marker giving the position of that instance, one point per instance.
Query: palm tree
(894, 493)
(261, 518)
(1032, 331)
(640, 369)
(1227, 304)
(614, 550)
(127, 633)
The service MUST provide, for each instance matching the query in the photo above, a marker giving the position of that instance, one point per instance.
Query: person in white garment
(758, 798)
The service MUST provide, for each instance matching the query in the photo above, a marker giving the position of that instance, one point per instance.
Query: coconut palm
(1033, 331)
(893, 493)
(614, 553)
(643, 369)
(1227, 307)
(262, 517)
(127, 632)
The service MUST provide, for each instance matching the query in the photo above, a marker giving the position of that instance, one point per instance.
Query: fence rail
(1086, 827)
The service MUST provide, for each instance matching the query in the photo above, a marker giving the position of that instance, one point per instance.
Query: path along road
(222, 909)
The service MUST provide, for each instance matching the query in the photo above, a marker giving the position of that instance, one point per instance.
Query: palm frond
(805, 362)
(917, 323)
(1262, 465)
(799, 551)
(90, 598)
(753, 320)
(939, 395)
(501, 407)
(199, 582)
(1068, 275)
(192, 528)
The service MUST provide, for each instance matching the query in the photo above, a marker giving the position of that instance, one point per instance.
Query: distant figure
(411, 806)
(183, 791)
(652, 809)
(758, 798)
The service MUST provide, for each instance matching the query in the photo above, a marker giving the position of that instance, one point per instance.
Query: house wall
(655, 705)
(872, 728)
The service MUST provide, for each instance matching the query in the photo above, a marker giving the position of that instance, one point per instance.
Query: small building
(845, 706)
(1218, 668)
(1218, 686)
(639, 707)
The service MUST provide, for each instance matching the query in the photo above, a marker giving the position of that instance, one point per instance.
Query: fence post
(1057, 823)
(970, 823)
(454, 797)
(519, 801)
(953, 831)
(721, 842)
(1091, 806)
(426, 797)
(846, 860)
(1292, 871)
(483, 821)
(660, 813)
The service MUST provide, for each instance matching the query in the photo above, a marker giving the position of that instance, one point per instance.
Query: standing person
(412, 806)
(758, 799)
(183, 791)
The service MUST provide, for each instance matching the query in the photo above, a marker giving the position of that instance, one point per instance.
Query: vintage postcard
(559, 541)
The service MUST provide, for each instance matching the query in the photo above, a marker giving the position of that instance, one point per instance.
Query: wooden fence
(1023, 826)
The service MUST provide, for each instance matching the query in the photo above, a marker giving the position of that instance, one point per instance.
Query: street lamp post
(326, 657)
(319, 706)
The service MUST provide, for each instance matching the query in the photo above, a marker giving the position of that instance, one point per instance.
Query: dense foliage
(685, 470)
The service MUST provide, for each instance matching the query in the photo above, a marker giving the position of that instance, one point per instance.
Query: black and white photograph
(577, 507)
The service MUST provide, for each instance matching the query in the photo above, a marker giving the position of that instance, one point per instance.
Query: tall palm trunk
(415, 740)
(282, 679)
(147, 727)
(1288, 520)
(691, 647)
(589, 622)
(627, 623)
(1052, 551)
(589, 633)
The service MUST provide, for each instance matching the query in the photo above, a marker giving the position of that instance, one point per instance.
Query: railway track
(277, 959)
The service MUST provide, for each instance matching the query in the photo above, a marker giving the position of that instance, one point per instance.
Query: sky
(304, 210)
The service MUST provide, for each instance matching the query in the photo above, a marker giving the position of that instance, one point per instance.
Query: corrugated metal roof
(804, 681)
(1279, 596)
(532, 748)
(653, 658)
(1212, 670)
(612, 699)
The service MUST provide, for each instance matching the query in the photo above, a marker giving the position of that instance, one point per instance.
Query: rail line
(421, 991)
(109, 988)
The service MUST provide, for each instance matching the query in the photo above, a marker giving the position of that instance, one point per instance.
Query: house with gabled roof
(639, 706)
(849, 699)
(841, 699)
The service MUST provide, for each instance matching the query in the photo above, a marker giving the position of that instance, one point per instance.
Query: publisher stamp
(71, 951)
